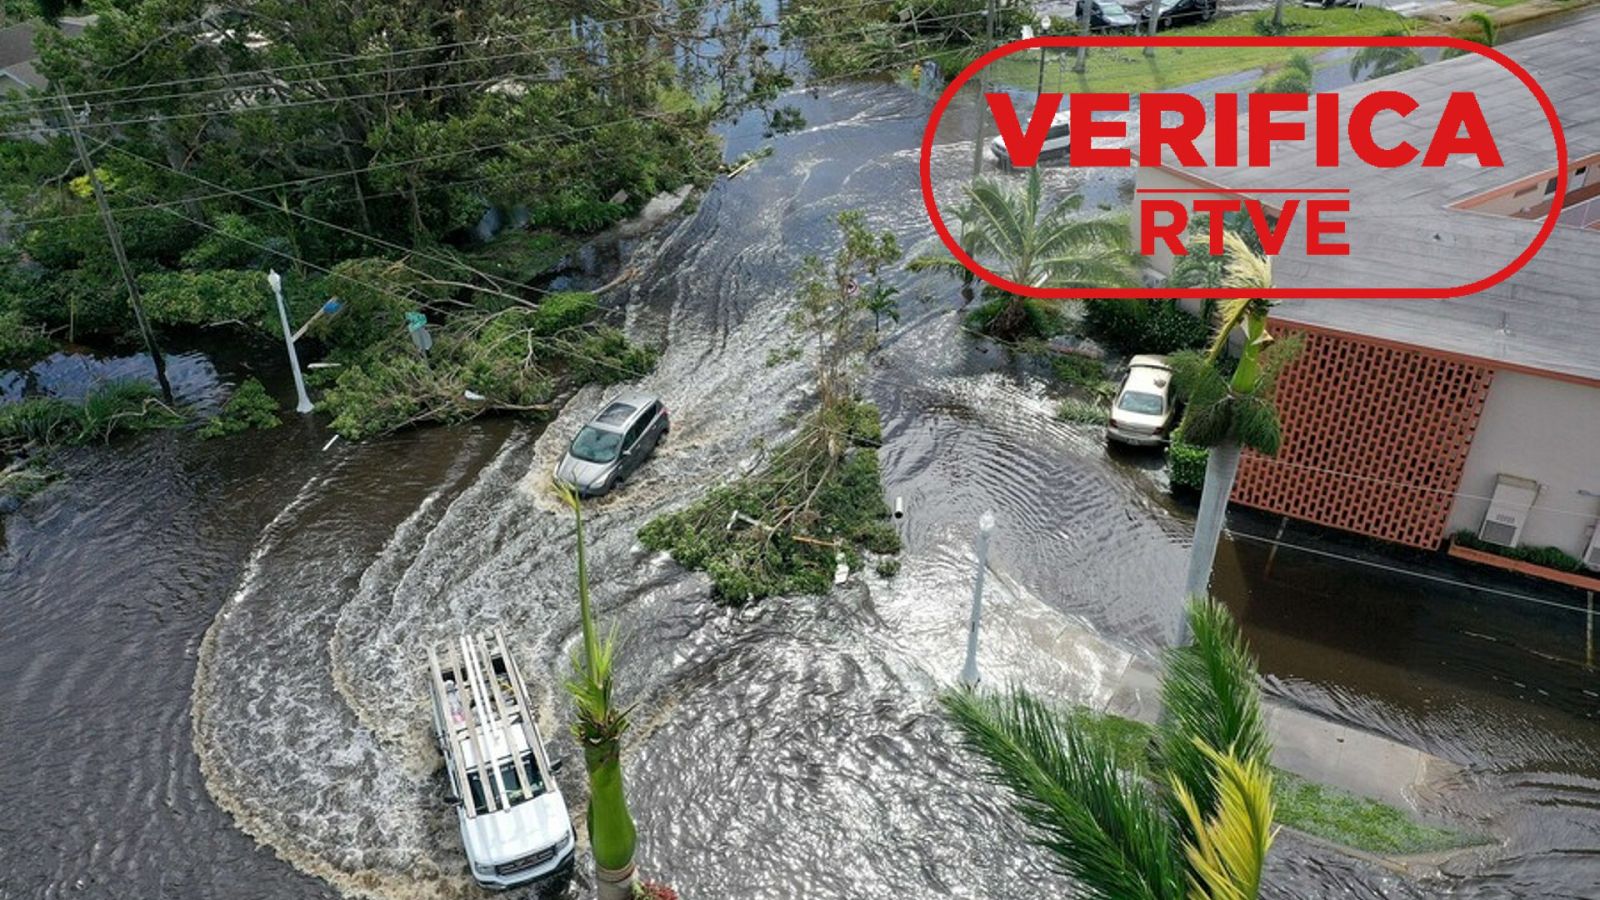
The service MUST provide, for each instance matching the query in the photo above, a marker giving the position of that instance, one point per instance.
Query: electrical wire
(1402, 570)
(500, 78)
(268, 72)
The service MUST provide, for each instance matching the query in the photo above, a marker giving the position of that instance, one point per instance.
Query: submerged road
(172, 598)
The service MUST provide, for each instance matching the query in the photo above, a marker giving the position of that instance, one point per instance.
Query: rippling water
(788, 750)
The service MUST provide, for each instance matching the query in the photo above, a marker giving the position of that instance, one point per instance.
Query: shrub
(1144, 326)
(1186, 465)
(1079, 370)
(1083, 412)
(1034, 318)
(249, 407)
(1549, 557)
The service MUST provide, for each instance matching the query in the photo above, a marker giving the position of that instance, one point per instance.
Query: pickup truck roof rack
(479, 696)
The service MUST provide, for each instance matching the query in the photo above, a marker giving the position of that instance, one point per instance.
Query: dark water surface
(206, 646)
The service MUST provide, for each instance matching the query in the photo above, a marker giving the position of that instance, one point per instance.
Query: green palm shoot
(600, 723)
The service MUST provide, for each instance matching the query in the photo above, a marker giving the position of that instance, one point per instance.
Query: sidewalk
(1314, 748)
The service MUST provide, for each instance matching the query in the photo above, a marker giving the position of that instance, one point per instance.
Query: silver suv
(614, 443)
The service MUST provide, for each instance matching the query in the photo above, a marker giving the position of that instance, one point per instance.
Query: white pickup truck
(514, 822)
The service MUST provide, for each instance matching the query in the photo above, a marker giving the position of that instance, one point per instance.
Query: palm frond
(1098, 821)
(1211, 696)
(1247, 270)
(1229, 847)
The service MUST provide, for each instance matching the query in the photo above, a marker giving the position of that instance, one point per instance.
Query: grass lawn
(1127, 70)
(1317, 810)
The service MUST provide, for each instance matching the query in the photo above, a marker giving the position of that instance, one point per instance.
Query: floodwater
(211, 653)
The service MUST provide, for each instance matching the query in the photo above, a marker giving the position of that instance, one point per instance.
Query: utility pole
(1044, 25)
(969, 672)
(1084, 19)
(114, 235)
(1153, 8)
(977, 147)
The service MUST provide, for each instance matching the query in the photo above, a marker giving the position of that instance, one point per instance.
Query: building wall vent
(1591, 556)
(1508, 510)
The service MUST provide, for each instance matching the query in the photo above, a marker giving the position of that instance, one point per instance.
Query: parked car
(512, 816)
(1055, 141)
(1105, 15)
(1142, 414)
(614, 444)
(1178, 12)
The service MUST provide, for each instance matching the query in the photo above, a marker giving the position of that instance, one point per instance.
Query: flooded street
(211, 658)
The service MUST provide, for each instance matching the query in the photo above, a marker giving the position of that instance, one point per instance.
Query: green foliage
(1077, 369)
(1114, 829)
(562, 312)
(1380, 61)
(806, 506)
(889, 566)
(20, 340)
(1211, 699)
(1010, 317)
(1186, 464)
(835, 297)
(1296, 76)
(522, 255)
(1549, 557)
(511, 360)
(113, 408)
(1101, 824)
(845, 39)
(1014, 235)
(249, 407)
(1215, 412)
(209, 298)
(1144, 326)
(395, 162)
(1083, 412)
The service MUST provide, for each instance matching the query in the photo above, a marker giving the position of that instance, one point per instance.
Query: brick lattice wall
(1374, 441)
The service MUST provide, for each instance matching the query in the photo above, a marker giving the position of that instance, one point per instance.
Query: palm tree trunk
(611, 831)
(1222, 466)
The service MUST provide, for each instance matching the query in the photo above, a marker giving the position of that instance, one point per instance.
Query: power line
(380, 166)
(377, 73)
(1402, 570)
(344, 60)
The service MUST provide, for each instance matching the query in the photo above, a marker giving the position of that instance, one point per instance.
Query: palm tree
(1488, 33)
(1192, 822)
(1016, 237)
(1378, 61)
(1226, 414)
(599, 728)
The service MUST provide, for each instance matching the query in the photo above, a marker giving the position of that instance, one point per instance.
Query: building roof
(1403, 233)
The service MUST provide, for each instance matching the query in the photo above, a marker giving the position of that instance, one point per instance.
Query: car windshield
(596, 445)
(511, 776)
(1141, 403)
(1112, 9)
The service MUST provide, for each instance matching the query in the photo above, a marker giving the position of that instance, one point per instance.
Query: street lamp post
(304, 404)
(1044, 26)
(969, 673)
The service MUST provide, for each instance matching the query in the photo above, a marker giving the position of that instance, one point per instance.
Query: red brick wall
(1374, 438)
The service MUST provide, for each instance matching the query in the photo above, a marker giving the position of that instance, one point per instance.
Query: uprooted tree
(818, 500)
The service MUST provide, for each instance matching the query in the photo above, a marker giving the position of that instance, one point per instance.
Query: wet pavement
(207, 644)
